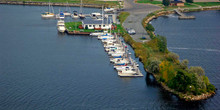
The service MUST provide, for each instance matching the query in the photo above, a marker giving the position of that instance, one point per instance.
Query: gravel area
(137, 13)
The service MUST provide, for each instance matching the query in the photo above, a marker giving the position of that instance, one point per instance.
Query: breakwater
(46, 4)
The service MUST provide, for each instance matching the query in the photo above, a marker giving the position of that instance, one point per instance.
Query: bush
(166, 2)
(86, 27)
(210, 88)
(189, 1)
(197, 69)
(173, 57)
(162, 79)
(184, 64)
(150, 27)
(153, 65)
(162, 43)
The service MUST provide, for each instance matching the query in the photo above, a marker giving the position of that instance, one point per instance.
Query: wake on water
(199, 49)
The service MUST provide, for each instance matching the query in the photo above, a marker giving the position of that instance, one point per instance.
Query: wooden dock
(77, 33)
(183, 16)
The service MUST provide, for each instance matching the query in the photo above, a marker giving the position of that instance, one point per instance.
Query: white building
(97, 24)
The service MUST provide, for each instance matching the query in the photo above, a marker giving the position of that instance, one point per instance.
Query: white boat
(127, 71)
(95, 15)
(114, 52)
(61, 26)
(120, 68)
(60, 15)
(97, 34)
(108, 9)
(67, 11)
(81, 16)
(48, 14)
(120, 61)
(75, 15)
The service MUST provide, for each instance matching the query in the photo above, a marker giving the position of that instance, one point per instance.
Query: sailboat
(48, 14)
(81, 16)
(67, 12)
(60, 15)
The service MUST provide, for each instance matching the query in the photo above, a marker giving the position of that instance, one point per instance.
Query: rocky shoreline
(46, 4)
(180, 95)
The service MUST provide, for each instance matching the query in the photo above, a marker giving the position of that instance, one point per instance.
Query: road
(137, 13)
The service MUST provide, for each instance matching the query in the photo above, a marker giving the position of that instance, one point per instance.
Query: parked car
(131, 31)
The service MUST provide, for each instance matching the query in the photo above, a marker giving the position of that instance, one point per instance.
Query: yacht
(61, 26)
(60, 15)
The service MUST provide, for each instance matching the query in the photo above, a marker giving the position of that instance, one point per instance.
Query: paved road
(137, 13)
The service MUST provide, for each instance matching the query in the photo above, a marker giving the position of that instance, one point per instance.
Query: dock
(132, 62)
(183, 16)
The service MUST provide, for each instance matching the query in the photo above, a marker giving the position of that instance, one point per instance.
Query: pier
(183, 16)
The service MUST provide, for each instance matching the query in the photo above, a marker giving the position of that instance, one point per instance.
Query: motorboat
(109, 9)
(81, 16)
(61, 26)
(75, 15)
(95, 15)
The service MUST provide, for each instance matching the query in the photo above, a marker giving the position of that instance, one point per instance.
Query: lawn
(149, 1)
(203, 4)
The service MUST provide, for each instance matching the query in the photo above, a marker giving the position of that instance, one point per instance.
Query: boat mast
(80, 11)
(102, 16)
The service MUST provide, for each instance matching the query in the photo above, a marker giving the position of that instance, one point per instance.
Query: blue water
(41, 69)
(196, 40)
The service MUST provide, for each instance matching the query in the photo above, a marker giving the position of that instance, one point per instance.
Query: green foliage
(189, 1)
(184, 64)
(162, 79)
(86, 27)
(166, 2)
(173, 57)
(153, 65)
(210, 88)
(197, 69)
(167, 70)
(149, 27)
(123, 16)
(162, 43)
(204, 4)
(149, 1)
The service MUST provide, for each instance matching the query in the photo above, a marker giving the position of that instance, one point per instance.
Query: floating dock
(183, 16)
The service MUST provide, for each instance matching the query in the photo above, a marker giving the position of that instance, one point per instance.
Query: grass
(73, 26)
(123, 16)
(97, 2)
(203, 4)
(149, 1)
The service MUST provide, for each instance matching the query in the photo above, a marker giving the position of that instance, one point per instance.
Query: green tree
(166, 2)
(197, 69)
(173, 57)
(189, 1)
(184, 64)
(150, 27)
(153, 65)
(162, 43)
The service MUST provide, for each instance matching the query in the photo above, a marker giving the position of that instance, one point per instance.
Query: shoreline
(180, 95)
(46, 4)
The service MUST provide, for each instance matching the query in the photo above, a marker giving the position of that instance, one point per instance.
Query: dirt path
(137, 13)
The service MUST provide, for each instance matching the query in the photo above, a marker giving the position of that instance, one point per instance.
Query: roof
(94, 21)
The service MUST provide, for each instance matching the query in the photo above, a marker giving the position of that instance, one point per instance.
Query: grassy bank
(97, 2)
(74, 26)
(204, 4)
(188, 83)
(149, 1)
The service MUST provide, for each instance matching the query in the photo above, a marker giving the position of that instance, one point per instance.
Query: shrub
(184, 64)
(166, 2)
(197, 69)
(86, 27)
(153, 65)
(189, 1)
(173, 57)
(210, 88)
(162, 43)
(150, 27)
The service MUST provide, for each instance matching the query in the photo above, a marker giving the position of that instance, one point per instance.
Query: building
(97, 24)
(176, 3)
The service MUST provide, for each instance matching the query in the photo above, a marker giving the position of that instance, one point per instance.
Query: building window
(99, 25)
(103, 25)
(90, 25)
